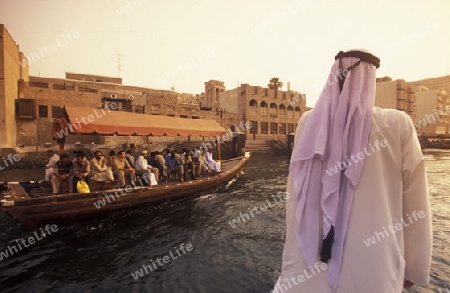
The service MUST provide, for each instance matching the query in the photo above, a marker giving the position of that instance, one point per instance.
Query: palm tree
(274, 84)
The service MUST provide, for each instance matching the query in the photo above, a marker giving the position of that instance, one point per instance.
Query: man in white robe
(142, 167)
(388, 240)
(53, 158)
(213, 165)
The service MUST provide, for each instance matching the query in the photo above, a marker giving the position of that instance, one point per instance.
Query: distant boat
(18, 202)
(435, 142)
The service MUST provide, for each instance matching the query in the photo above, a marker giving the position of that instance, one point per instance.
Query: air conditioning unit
(130, 97)
(113, 96)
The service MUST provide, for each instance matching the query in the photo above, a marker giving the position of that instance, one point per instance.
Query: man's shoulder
(388, 116)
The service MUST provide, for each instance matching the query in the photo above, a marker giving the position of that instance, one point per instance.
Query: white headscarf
(338, 127)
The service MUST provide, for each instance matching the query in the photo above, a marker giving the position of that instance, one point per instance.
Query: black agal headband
(363, 56)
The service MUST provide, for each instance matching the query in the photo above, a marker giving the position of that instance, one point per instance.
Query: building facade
(11, 70)
(273, 114)
(433, 112)
(396, 94)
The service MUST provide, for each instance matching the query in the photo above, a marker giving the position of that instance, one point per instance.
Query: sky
(184, 43)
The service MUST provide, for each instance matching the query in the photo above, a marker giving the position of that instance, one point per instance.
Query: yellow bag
(82, 186)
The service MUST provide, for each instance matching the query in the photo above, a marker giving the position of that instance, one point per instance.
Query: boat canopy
(86, 120)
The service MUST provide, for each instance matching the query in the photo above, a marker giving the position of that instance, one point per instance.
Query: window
(290, 128)
(57, 112)
(38, 84)
(26, 108)
(139, 109)
(282, 128)
(126, 107)
(254, 128)
(43, 111)
(273, 128)
(264, 127)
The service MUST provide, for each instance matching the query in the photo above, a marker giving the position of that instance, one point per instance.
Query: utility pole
(119, 59)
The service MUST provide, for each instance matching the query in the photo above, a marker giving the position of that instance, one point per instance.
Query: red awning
(87, 120)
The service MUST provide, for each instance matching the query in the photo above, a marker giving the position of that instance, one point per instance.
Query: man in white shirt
(210, 162)
(53, 158)
(142, 167)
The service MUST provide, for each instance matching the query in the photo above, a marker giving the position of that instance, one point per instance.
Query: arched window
(290, 112)
(253, 107)
(298, 112)
(263, 108)
(282, 110)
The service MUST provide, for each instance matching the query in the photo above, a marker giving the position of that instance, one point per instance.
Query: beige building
(272, 116)
(396, 94)
(11, 70)
(433, 111)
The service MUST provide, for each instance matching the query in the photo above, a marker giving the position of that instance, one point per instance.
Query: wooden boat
(35, 211)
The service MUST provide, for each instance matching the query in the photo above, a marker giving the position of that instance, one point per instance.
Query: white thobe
(49, 167)
(210, 162)
(390, 200)
(141, 164)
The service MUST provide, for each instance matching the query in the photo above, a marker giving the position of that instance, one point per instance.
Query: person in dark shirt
(81, 170)
(174, 164)
(62, 170)
(152, 161)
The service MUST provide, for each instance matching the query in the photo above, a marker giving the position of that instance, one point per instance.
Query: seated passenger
(99, 168)
(53, 158)
(188, 165)
(195, 155)
(152, 161)
(204, 168)
(81, 170)
(143, 168)
(62, 171)
(162, 162)
(122, 168)
(130, 158)
(211, 163)
(174, 164)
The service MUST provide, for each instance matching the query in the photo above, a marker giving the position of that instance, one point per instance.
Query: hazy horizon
(186, 43)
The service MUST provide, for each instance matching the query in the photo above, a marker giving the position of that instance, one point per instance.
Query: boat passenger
(81, 170)
(122, 168)
(53, 158)
(110, 159)
(62, 171)
(162, 162)
(142, 167)
(130, 158)
(99, 168)
(174, 165)
(195, 153)
(152, 161)
(204, 168)
(211, 163)
(188, 165)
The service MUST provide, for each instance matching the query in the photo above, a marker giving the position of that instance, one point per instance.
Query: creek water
(105, 254)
